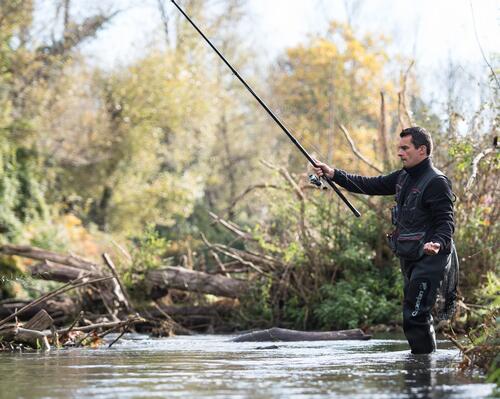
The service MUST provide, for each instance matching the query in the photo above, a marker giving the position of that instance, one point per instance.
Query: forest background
(141, 159)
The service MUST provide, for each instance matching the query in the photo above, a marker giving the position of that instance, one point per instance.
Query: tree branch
(355, 150)
(475, 164)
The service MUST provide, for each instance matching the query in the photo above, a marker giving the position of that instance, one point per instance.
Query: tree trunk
(48, 270)
(41, 254)
(189, 280)
(62, 309)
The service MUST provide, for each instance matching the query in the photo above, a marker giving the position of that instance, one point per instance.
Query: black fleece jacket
(437, 197)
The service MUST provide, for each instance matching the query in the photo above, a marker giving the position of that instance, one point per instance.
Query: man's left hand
(432, 248)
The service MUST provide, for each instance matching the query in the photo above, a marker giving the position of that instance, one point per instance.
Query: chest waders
(422, 274)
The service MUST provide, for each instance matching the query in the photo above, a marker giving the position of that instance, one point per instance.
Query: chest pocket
(409, 209)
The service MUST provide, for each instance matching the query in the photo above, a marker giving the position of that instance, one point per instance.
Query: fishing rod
(272, 115)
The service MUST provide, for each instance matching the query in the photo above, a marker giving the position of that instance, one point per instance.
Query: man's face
(409, 155)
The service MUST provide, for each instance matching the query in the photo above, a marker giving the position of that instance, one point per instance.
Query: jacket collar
(419, 169)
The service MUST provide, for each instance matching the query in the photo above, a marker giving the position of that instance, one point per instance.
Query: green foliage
(149, 250)
(462, 152)
(334, 282)
(9, 272)
(370, 299)
(476, 211)
(21, 195)
(482, 348)
(256, 307)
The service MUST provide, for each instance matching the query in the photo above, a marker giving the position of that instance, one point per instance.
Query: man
(424, 226)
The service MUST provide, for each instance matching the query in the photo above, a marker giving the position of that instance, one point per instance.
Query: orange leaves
(336, 77)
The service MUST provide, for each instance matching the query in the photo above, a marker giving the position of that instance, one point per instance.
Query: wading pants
(422, 279)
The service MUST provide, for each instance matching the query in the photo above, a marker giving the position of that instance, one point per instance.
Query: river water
(209, 366)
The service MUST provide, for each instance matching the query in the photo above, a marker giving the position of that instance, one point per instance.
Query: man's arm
(379, 185)
(438, 197)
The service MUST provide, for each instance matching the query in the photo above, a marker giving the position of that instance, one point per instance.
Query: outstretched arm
(379, 185)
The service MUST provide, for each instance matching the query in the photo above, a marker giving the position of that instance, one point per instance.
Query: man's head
(414, 146)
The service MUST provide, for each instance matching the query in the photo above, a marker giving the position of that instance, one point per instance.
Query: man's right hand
(323, 170)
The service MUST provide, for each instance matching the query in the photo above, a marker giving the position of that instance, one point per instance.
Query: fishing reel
(317, 181)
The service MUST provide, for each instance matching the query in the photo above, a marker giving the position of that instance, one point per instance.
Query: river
(209, 366)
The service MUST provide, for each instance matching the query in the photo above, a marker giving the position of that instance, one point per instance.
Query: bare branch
(229, 252)
(383, 131)
(232, 227)
(248, 191)
(164, 20)
(402, 103)
(219, 263)
(481, 47)
(355, 150)
(122, 296)
(475, 164)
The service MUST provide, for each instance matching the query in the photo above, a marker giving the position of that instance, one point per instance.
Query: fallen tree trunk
(62, 309)
(159, 281)
(47, 270)
(40, 254)
(282, 334)
(65, 268)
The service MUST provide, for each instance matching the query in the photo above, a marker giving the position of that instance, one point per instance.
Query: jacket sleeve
(438, 197)
(378, 185)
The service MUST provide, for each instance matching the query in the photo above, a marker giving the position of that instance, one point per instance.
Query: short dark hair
(419, 137)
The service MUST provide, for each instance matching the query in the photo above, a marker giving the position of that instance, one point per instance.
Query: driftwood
(67, 287)
(39, 322)
(35, 339)
(103, 326)
(31, 332)
(189, 280)
(65, 268)
(61, 308)
(282, 334)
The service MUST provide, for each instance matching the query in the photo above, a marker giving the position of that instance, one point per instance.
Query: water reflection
(212, 367)
(419, 376)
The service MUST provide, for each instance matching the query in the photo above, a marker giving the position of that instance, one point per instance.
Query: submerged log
(189, 280)
(282, 334)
